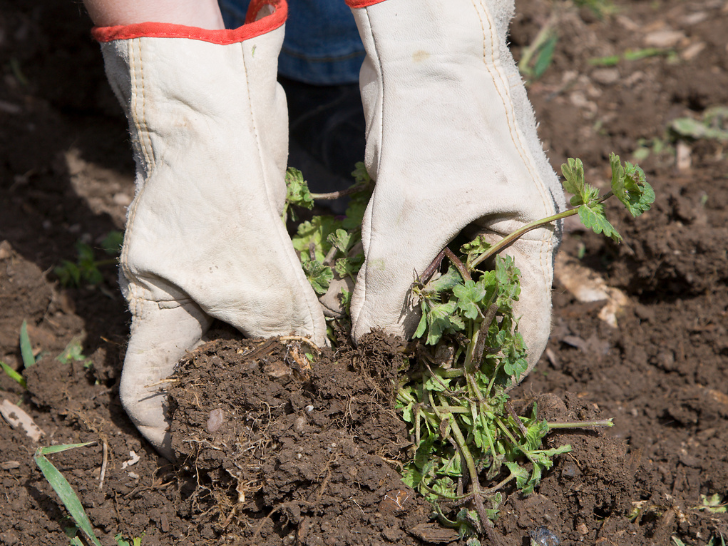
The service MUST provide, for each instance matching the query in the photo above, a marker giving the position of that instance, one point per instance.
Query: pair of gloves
(451, 143)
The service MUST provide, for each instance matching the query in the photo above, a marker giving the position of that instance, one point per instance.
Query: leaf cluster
(456, 406)
(85, 270)
(628, 184)
(329, 245)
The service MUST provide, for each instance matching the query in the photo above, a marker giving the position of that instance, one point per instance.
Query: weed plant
(454, 393)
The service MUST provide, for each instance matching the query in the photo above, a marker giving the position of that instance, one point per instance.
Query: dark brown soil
(310, 456)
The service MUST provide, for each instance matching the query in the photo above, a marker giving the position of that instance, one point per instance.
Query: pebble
(122, 199)
(5, 249)
(544, 537)
(605, 76)
(215, 420)
(664, 38)
(692, 51)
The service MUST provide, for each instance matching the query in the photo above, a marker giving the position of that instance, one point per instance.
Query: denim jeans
(322, 45)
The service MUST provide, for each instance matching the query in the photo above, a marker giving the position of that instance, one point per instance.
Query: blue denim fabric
(322, 45)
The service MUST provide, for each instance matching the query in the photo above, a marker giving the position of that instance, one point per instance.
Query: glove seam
(137, 114)
(271, 207)
(512, 121)
(370, 206)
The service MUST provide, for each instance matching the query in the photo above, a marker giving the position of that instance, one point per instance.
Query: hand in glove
(204, 236)
(451, 143)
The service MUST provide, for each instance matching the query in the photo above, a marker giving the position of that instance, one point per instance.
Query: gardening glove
(451, 143)
(204, 236)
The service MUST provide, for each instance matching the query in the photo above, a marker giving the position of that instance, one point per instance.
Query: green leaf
(535, 433)
(345, 299)
(411, 477)
(64, 490)
(318, 274)
(592, 216)
(476, 247)
(73, 351)
(424, 451)
(444, 282)
(545, 56)
(533, 481)
(445, 486)
(519, 472)
(638, 54)
(469, 295)
(516, 367)
(435, 385)
(355, 211)
(605, 61)
(14, 375)
(68, 273)
(360, 174)
(297, 192)
(714, 504)
(26, 350)
(573, 171)
(342, 240)
(422, 326)
(113, 242)
(349, 266)
(630, 186)
(440, 320)
(317, 232)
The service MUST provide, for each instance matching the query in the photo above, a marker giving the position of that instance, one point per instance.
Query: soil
(274, 452)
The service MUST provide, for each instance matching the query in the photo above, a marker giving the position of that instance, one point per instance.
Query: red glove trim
(250, 29)
(353, 4)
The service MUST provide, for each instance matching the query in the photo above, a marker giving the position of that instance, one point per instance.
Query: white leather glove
(204, 236)
(451, 142)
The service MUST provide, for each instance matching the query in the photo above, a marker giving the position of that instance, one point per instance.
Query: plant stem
(337, 194)
(458, 263)
(430, 271)
(511, 237)
(581, 424)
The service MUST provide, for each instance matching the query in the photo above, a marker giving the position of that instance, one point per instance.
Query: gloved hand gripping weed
(454, 393)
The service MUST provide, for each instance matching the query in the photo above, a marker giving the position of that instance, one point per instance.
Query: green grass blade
(25, 348)
(75, 541)
(64, 490)
(63, 447)
(15, 375)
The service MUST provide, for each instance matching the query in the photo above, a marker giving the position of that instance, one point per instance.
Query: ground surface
(322, 442)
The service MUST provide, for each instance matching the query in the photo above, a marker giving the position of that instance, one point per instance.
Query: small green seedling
(26, 349)
(711, 542)
(454, 394)
(134, 541)
(632, 55)
(64, 490)
(26, 352)
(537, 57)
(86, 268)
(14, 375)
(715, 504)
(74, 352)
(712, 126)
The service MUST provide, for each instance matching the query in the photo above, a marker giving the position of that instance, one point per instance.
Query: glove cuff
(263, 16)
(355, 4)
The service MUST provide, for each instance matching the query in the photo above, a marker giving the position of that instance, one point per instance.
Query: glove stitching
(137, 109)
(295, 266)
(513, 128)
(370, 206)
